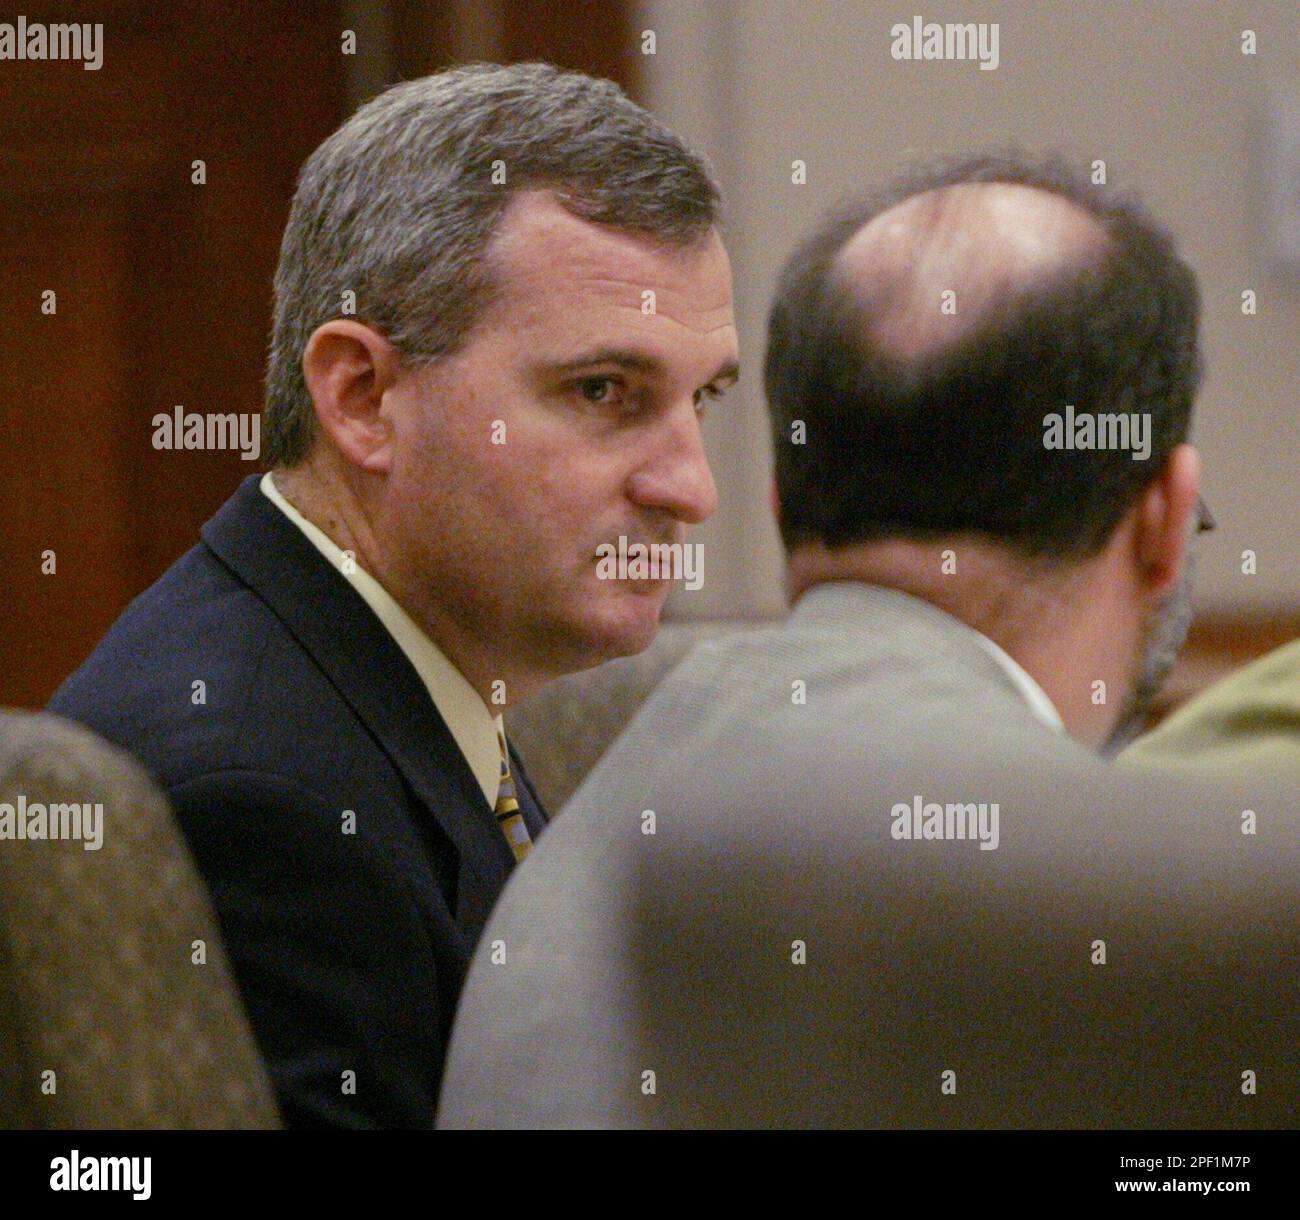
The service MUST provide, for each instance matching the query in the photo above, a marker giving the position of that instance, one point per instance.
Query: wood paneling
(599, 37)
(163, 293)
(163, 286)
(1216, 645)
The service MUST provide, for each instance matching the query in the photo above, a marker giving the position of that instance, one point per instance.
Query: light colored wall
(1160, 90)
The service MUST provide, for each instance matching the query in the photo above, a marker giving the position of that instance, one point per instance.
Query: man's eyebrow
(634, 361)
(729, 373)
(625, 357)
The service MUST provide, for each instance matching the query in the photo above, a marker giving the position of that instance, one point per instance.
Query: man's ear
(1164, 521)
(347, 368)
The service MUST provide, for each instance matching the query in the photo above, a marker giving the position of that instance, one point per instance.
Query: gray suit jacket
(725, 926)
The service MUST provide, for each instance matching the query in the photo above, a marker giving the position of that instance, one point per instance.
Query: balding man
(935, 342)
(867, 868)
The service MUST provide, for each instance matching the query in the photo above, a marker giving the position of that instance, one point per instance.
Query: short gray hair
(399, 206)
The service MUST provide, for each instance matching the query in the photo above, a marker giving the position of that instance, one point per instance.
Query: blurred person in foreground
(1246, 724)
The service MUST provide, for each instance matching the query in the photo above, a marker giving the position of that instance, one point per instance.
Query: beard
(1159, 643)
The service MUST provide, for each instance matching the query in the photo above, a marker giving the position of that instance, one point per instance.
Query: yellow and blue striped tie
(509, 818)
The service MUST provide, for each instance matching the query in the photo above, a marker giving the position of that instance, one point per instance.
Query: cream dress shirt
(1033, 694)
(472, 724)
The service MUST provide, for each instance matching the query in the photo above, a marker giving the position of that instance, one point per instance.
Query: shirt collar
(843, 601)
(472, 724)
(1033, 694)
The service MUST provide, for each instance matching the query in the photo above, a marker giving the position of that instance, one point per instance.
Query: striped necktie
(509, 818)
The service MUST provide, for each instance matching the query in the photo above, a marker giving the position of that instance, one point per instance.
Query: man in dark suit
(467, 398)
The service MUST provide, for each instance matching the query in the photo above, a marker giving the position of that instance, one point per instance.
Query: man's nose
(674, 475)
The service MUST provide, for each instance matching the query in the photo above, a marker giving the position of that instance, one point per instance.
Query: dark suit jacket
(350, 949)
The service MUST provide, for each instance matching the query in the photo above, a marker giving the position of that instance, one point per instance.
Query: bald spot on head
(988, 242)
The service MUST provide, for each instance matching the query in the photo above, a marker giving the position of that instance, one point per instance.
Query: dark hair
(953, 441)
(399, 207)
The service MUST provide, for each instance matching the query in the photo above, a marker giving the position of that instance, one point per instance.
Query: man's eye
(705, 394)
(597, 389)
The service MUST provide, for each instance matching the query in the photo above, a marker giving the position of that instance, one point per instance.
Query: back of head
(924, 335)
(394, 213)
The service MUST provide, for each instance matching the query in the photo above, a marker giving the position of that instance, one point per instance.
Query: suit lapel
(354, 650)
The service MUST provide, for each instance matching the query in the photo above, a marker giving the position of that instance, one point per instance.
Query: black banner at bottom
(342, 1169)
